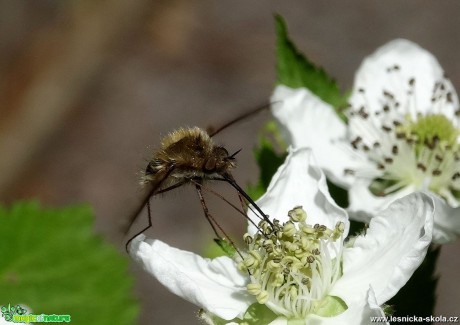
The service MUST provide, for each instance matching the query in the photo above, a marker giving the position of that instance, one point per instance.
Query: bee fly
(190, 156)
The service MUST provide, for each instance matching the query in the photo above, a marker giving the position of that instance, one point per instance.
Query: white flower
(402, 136)
(362, 275)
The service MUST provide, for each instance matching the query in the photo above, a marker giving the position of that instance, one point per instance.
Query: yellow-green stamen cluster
(292, 266)
(433, 140)
(409, 146)
(429, 130)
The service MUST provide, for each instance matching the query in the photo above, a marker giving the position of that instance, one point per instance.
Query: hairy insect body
(187, 154)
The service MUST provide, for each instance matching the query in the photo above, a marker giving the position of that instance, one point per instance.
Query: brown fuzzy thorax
(185, 154)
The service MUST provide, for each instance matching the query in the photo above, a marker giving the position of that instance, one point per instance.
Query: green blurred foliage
(52, 261)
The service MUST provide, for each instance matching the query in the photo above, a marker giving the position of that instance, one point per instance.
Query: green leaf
(331, 306)
(258, 314)
(267, 158)
(52, 262)
(296, 71)
(226, 246)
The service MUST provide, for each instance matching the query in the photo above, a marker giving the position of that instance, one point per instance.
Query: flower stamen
(295, 269)
(406, 147)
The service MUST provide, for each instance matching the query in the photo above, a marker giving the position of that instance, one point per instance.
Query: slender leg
(140, 232)
(147, 202)
(240, 211)
(152, 190)
(243, 204)
(206, 210)
(213, 221)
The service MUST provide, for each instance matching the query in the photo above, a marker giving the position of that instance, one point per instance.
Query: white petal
(215, 285)
(391, 250)
(374, 309)
(364, 204)
(300, 182)
(446, 222)
(413, 62)
(358, 313)
(307, 121)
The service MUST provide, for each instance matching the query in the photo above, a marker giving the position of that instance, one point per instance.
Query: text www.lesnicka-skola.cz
(416, 319)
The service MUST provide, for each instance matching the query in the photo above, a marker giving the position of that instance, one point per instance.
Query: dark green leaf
(226, 246)
(52, 262)
(295, 70)
(268, 161)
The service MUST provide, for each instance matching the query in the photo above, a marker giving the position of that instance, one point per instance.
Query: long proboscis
(229, 179)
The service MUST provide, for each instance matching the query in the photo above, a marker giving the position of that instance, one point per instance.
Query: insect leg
(147, 202)
(140, 232)
(240, 211)
(206, 210)
(153, 191)
(149, 212)
(213, 221)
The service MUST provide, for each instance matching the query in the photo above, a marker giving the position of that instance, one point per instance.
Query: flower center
(406, 147)
(293, 266)
(430, 130)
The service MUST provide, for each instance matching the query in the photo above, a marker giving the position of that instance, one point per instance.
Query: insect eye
(221, 152)
(210, 164)
(149, 170)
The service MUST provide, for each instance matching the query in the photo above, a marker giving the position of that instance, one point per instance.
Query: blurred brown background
(87, 86)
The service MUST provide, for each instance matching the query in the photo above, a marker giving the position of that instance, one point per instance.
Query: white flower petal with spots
(402, 136)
